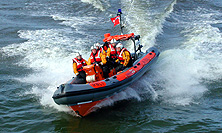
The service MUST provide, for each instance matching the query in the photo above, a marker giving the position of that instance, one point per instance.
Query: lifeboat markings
(98, 84)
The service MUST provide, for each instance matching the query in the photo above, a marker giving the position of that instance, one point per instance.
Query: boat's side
(84, 108)
(73, 94)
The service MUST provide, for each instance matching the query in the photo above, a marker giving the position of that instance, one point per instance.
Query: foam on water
(129, 93)
(206, 42)
(177, 73)
(79, 23)
(49, 54)
(182, 73)
(102, 5)
(145, 22)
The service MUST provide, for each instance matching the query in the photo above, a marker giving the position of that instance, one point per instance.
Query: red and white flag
(116, 20)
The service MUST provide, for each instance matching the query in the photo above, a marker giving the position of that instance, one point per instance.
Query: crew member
(111, 54)
(97, 57)
(98, 46)
(105, 47)
(111, 51)
(123, 57)
(78, 64)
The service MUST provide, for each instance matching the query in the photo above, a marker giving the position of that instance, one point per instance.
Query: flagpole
(121, 26)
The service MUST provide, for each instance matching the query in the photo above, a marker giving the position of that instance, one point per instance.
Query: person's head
(93, 49)
(78, 56)
(97, 45)
(119, 46)
(113, 42)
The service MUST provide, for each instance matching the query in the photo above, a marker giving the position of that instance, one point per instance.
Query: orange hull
(85, 109)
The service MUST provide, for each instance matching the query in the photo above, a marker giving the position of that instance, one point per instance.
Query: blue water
(181, 93)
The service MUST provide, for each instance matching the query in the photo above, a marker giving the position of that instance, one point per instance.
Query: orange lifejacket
(96, 57)
(120, 54)
(80, 63)
(112, 51)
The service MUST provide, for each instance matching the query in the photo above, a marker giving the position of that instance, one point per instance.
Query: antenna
(121, 26)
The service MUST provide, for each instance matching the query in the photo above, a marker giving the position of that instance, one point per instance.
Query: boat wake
(147, 22)
(182, 73)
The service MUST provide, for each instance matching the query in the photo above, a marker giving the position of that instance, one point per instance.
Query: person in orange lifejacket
(98, 46)
(78, 64)
(98, 58)
(111, 51)
(105, 47)
(123, 57)
(111, 54)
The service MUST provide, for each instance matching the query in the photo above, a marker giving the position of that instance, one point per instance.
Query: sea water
(182, 92)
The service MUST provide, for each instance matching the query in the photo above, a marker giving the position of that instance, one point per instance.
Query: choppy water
(181, 93)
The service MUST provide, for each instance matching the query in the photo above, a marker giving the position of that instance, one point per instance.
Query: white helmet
(97, 45)
(113, 41)
(119, 45)
(78, 54)
(93, 47)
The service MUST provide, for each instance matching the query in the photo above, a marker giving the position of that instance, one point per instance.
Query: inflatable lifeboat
(82, 98)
